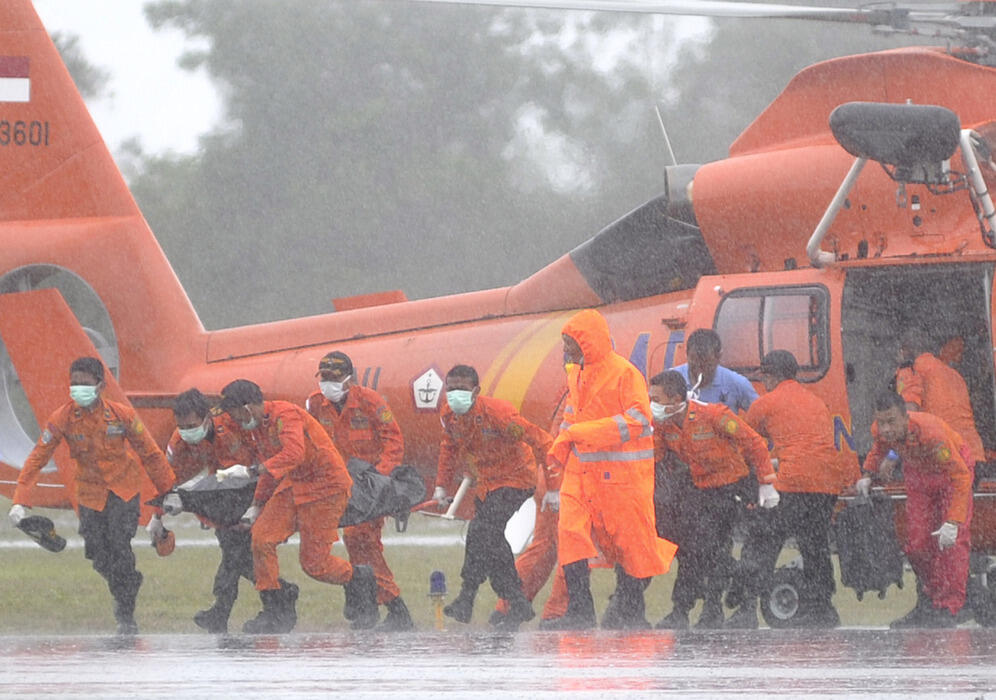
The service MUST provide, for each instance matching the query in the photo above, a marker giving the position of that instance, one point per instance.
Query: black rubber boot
(497, 617)
(745, 616)
(215, 618)
(580, 613)
(677, 619)
(272, 618)
(627, 608)
(519, 610)
(918, 616)
(124, 606)
(712, 617)
(398, 618)
(361, 598)
(820, 615)
(462, 607)
(288, 603)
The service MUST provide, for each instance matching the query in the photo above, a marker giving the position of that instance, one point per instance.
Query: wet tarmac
(959, 663)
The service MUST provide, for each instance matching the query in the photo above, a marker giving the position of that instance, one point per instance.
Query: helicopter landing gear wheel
(781, 604)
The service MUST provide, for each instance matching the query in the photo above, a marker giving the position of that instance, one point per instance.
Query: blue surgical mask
(333, 391)
(192, 436)
(460, 400)
(83, 394)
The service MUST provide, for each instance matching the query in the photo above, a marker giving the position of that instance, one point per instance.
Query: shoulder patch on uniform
(942, 453)
(137, 426)
(515, 430)
(731, 425)
(386, 416)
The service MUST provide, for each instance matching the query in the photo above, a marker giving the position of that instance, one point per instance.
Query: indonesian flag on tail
(15, 86)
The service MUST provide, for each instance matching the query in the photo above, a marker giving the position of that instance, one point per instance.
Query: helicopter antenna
(667, 141)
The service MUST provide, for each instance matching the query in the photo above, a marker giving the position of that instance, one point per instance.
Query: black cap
(780, 363)
(337, 362)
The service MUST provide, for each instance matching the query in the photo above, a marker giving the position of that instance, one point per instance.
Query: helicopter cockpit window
(753, 322)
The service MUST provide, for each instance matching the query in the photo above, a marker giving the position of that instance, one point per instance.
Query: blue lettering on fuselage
(840, 431)
(639, 354)
(673, 341)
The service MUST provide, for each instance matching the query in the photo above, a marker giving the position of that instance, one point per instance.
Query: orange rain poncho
(607, 449)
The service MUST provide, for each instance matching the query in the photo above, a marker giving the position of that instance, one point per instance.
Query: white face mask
(658, 410)
(192, 436)
(333, 391)
(663, 411)
(250, 424)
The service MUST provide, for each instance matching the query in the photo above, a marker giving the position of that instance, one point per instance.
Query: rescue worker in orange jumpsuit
(111, 448)
(937, 472)
(607, 452)
(362, 426)
(926, 383)
(304, 487)
(721, 451)
(193, 450)
(487, 439)
(811, 474)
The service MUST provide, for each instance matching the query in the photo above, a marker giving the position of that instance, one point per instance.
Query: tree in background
(371, 146)
(90, 80)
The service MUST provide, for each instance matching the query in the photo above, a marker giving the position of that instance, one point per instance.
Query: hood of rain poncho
(590, 330)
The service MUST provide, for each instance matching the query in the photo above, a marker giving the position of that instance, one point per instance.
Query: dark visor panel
(646, 252)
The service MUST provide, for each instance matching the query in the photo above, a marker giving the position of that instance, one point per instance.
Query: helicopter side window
(753, 322)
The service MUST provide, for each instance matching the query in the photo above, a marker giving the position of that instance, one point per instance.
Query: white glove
(767, 497)
(440, 497)
(863, 486)
(946, 535)
(551, 501)
(240, 471)
(249, 517)
(172, 505)
(155, 528)
(18, 513)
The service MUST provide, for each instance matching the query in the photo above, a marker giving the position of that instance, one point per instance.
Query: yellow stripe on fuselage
(528, 350)
(490, 377)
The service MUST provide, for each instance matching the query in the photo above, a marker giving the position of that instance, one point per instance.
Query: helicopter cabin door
(949, 303)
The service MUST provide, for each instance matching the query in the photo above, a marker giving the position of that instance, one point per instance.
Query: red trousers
(364, 547)
(942, 573)
(318, 524)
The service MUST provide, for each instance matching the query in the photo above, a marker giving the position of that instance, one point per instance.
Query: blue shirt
(727, 387)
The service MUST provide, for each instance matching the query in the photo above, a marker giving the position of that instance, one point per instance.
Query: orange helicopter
(790, 243)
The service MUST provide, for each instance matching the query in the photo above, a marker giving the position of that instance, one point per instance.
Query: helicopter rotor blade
(968, 22)
(703, 8)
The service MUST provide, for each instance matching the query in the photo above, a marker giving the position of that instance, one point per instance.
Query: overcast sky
(149, 96)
